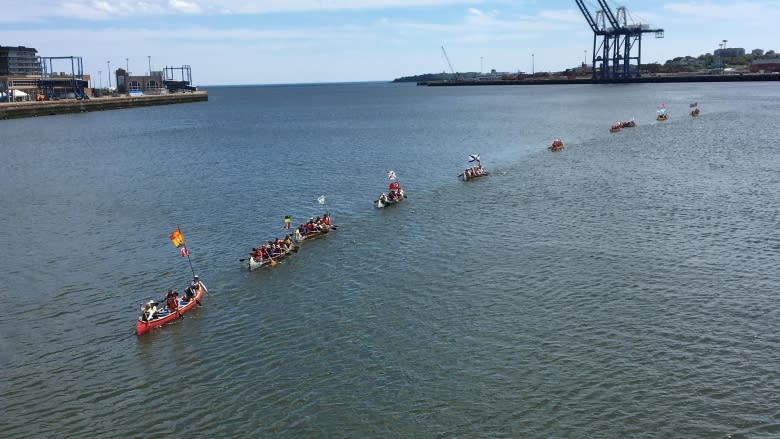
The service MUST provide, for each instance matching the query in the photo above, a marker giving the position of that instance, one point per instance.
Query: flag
(473, 157)
(184, 251)
(287, 221)
(391, 175)
(177, 239)
(694, 104)
(321, 199)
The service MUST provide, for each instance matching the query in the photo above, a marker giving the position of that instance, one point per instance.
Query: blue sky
(302, 41)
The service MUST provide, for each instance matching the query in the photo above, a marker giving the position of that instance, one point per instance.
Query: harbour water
(624, 287)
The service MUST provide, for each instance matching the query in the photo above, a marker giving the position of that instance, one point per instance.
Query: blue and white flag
(391, 175)
(473, 157)
(321, 199)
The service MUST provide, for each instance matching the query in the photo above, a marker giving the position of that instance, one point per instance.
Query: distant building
(19, 61)
(731, 52)
(765, 65)
(148, 84)
(20, 71)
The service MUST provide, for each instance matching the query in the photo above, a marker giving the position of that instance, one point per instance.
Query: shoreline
(739, 77)
(17, 110)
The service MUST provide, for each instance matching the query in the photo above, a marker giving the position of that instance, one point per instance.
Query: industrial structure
(63, 85)
(26, 76)
(168, 80)
(615, 41)
(181, 82)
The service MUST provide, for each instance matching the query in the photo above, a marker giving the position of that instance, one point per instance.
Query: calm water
(625, 287)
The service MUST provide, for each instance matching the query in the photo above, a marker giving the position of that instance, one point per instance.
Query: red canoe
(164, 315)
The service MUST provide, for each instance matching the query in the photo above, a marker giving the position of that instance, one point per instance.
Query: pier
(14, 110)
(663, 78)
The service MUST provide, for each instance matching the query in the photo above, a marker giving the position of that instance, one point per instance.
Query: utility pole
(109, 74)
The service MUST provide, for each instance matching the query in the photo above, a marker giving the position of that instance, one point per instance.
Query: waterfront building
(765, 65)
(19, 61)
(20, 70)
(146, 84)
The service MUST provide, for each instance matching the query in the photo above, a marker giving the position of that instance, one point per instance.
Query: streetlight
(108, 63)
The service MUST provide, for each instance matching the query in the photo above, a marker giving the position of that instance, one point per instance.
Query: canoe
(166, 316)
(255, 264)
(311, 235)
(466, 175)
(386, 201)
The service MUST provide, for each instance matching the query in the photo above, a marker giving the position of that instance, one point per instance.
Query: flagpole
(184, 243)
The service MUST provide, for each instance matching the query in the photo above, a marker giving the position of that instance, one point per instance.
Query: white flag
(321, 199)
(474, 157)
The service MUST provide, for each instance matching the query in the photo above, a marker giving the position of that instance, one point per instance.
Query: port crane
(614, 38)
(448, 62)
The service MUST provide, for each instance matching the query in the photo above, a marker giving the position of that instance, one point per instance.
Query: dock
(14, 110)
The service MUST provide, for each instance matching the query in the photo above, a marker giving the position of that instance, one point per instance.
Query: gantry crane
(611, 57)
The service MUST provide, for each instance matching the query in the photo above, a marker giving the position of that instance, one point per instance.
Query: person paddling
(172, 302)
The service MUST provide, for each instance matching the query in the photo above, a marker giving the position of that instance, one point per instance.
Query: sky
(231, 42)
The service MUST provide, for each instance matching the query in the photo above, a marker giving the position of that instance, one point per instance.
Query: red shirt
(173, 304)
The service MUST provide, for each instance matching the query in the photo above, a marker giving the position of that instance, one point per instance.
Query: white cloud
(35, 10)
(183, 6)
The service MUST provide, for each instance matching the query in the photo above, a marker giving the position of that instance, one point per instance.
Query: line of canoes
(153, 317)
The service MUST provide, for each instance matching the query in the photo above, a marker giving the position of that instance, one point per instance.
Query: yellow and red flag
(177, 238)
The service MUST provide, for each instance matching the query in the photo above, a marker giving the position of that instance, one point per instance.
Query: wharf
(738, 77)
(14, 110)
